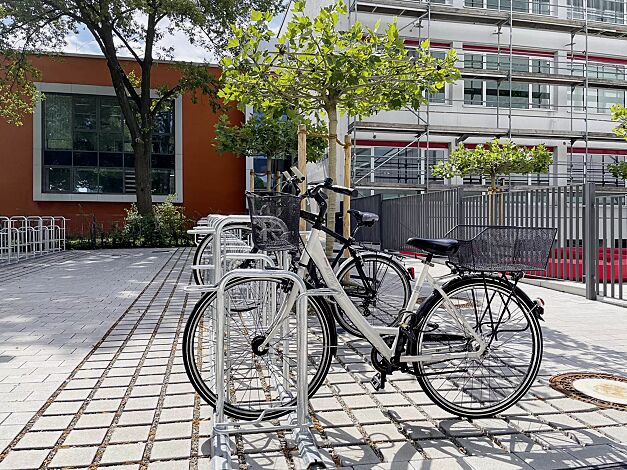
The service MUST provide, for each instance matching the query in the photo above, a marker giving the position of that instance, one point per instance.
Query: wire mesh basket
(498, 248)
(274, 220)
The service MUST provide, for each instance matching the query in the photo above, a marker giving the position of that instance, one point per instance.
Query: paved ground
(126, 403)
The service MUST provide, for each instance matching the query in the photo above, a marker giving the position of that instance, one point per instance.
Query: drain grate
(602, 390)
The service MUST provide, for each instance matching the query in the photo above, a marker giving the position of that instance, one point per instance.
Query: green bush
(166, 227)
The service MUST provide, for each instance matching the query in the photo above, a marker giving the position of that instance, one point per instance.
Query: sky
(84, 43)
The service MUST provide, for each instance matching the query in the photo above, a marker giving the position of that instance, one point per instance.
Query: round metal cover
(602, 390)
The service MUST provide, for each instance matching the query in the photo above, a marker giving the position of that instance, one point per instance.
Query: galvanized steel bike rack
(24, 237)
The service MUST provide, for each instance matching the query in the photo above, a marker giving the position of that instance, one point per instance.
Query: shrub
(166, 227)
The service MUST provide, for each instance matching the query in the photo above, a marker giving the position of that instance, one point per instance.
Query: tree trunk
(332, 113)
(143, 178)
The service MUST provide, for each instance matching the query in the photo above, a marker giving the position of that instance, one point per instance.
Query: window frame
(38, 148)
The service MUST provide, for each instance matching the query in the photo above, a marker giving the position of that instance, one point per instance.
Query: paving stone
(264, 461)
(618, 433)
(459, 428)
(334, 418)
(421, 430)
(171, 449)
(370, 416)
(133, 418)
(399, 451)
(383, 432)
(176, 414)
(123, 453)
(95, 420)
(74, 457)
(39, 440)
(173, 430)
(24, 459)
(480, 446)
(515, 443)
(439, 448)
(85, 437)
(356, 455)
(343, 436)
(405, 413)
(130, 434)
(52, 423)
(97, 406)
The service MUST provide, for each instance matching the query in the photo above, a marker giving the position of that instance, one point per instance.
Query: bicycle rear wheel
(257, 379)
(504, 318)
(380, 290)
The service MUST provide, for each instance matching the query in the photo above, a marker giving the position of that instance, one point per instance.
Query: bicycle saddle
(437, 246)
(364, 218)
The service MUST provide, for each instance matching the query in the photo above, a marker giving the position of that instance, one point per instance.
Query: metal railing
(590, 247)
(24, 237)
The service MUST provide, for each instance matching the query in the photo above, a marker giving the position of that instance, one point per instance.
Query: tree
(495, 159)
(134, 28)
(315, 67)
(264, 135)
(619, 114)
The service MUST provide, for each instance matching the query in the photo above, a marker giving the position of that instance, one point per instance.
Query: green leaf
(256, 15)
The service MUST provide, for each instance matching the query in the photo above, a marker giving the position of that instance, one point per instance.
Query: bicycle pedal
(378, 381)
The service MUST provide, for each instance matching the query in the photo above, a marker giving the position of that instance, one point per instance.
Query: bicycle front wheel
(502, 315)
(378, 285)
(257, 379)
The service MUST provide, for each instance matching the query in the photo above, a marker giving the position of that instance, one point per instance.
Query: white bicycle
(474, 344)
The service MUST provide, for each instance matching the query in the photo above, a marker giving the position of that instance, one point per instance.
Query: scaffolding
(576, 18)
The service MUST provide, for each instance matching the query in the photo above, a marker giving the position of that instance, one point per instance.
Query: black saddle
(439, 246)
(367, 219)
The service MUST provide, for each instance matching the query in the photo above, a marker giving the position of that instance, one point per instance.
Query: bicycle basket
(502, 249)
(274, 220)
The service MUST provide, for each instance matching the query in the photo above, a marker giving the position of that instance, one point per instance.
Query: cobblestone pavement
(127, 404)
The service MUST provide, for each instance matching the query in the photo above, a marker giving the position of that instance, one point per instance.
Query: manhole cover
(602, 390)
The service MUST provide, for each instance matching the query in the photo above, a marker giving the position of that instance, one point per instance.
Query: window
(87, 147)
(491, 93)
(539, 7)
(599, 99)
(606, 11)
(395, 165)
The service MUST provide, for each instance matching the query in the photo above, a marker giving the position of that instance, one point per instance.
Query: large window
(606, 11)
(87, 147)
(491, 93)
(600, 100)
(540, 7)
(395, 165)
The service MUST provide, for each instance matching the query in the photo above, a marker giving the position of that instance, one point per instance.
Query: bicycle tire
(427, 374)
(327, 344)
(394, 311)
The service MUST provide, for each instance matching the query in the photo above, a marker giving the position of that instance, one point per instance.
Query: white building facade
(539, 71)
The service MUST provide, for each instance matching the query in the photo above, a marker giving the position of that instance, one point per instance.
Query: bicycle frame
(314, 252)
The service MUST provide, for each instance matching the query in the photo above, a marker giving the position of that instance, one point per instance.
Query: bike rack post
(223, 428)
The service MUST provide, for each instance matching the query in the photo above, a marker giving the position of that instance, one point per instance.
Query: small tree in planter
(264, 135)
(493, 160)
(317, 68)
(619, 114)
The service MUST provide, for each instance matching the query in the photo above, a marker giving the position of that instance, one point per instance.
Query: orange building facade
(72, 157)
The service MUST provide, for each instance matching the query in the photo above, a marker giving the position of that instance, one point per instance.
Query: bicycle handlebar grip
(344, 190)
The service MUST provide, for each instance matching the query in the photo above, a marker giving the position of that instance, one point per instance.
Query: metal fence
(590, 246)
(24, 237)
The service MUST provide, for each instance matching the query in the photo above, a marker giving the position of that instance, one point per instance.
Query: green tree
(619, 114)
(269, 136)
(495, 159)
(134, 28)
(315, 67)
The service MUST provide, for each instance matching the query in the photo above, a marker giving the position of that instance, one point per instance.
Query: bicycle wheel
(256, 380)
(380, 291)
(504, 318)
(236, 233)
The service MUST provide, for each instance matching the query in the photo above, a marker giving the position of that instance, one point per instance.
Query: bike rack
(28, 236)
(298, 420)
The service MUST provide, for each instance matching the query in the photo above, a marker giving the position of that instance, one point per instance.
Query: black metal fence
(590, 245)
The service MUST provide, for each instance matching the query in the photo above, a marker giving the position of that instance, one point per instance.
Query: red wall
(211, 182)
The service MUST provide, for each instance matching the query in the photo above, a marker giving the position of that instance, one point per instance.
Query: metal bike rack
(27, 236)
(298, 420)
(222, 250)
